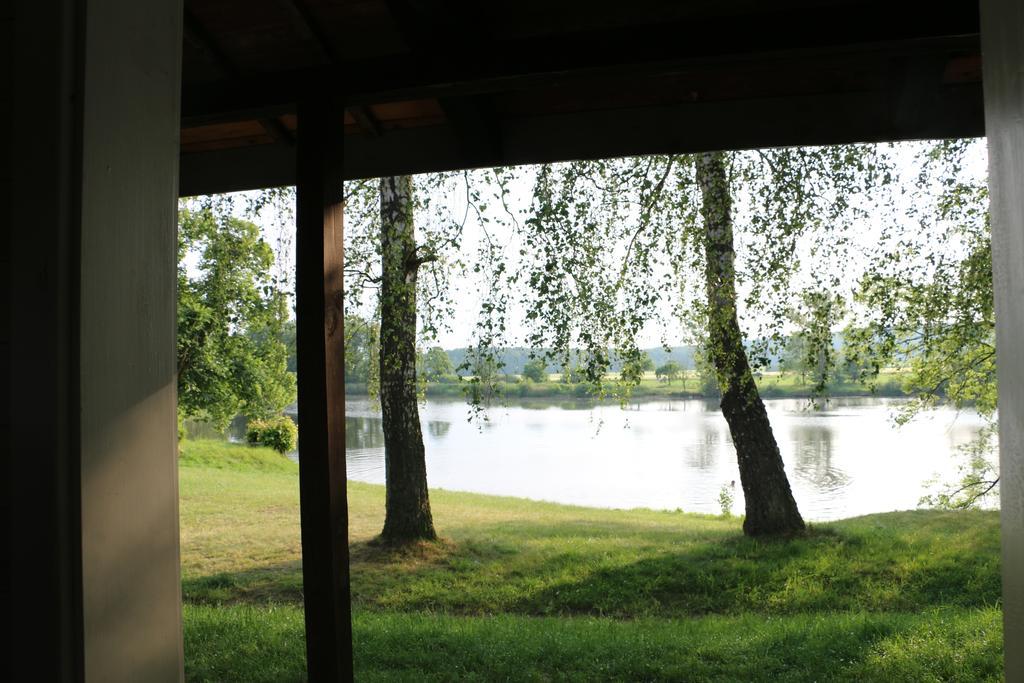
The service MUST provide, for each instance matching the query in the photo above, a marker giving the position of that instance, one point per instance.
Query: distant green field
(521, 590)
(771, 385)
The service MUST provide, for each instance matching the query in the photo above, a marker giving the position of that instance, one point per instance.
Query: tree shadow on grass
(624, 570)
(282, 583)
(823, 571)
(576, 567)
(273, 584)
(400, 554)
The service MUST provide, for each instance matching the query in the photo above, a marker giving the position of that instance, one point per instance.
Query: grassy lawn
(519, 590)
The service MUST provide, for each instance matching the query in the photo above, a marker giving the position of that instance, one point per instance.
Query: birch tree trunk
(770, 506)
(408, 505)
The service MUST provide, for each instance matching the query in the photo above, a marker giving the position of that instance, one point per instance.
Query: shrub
(726, 496)
(278, 432)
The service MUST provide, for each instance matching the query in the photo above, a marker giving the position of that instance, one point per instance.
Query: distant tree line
(796, 356)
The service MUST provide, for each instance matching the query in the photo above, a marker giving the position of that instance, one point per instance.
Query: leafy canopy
(925, 305)
(536, 370)
(231, 310)
(437, 364)
(669, 372)
(442, 206)
(612, 247)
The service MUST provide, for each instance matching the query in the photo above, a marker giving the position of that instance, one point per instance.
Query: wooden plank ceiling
(436, 84)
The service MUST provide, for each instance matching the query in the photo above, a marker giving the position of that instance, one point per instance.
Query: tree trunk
(770, 507)
(408, 505)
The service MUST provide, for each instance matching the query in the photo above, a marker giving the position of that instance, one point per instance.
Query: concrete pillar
(93, 485)
(1002, 39)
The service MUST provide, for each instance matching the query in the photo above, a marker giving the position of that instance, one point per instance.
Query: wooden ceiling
(435, 84)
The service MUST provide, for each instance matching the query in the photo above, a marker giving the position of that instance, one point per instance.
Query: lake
(847, 460)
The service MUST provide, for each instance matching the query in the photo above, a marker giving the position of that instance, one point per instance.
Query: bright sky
(277, 224)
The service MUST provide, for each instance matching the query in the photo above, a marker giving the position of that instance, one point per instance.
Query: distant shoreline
(770, 385)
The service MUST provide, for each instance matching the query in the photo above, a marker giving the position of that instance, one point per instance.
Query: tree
(810, 350)
(646, 362)
(669, 372)
(362, 345)
(926, 306)
(407, 509)
(571, 374)
(400, 276)
(683, 372)
(485, 368)
(706, 379)
(231, 315)
(617, 243)
(633, 366)
(536, 370)
(437, 365)
(287, 337)
(794, 356)
(771, 507)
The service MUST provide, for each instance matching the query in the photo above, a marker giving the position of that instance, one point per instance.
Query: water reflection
(703, 453)
(198, 429)
(812, 447)
(364, 448)
(363, 432)
(845, 460)
(438, 428)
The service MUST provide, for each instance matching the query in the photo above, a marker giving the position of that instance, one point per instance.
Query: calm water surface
(844, 461)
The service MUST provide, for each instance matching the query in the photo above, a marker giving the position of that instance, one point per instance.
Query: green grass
(519, 590)
(260, 643)
(219, 455)
(790, 385)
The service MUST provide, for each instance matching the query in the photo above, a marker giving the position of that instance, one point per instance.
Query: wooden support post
(321, 353)
(1002, 25)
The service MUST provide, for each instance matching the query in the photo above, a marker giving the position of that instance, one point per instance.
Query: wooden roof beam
(391, 80)
(814, 119)
(365, 118)
(442, 27)
(430, 25)
(203, 40)
(916, 89)
(308, 28)
(476, 127)
(878, 28)
(197, 35)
